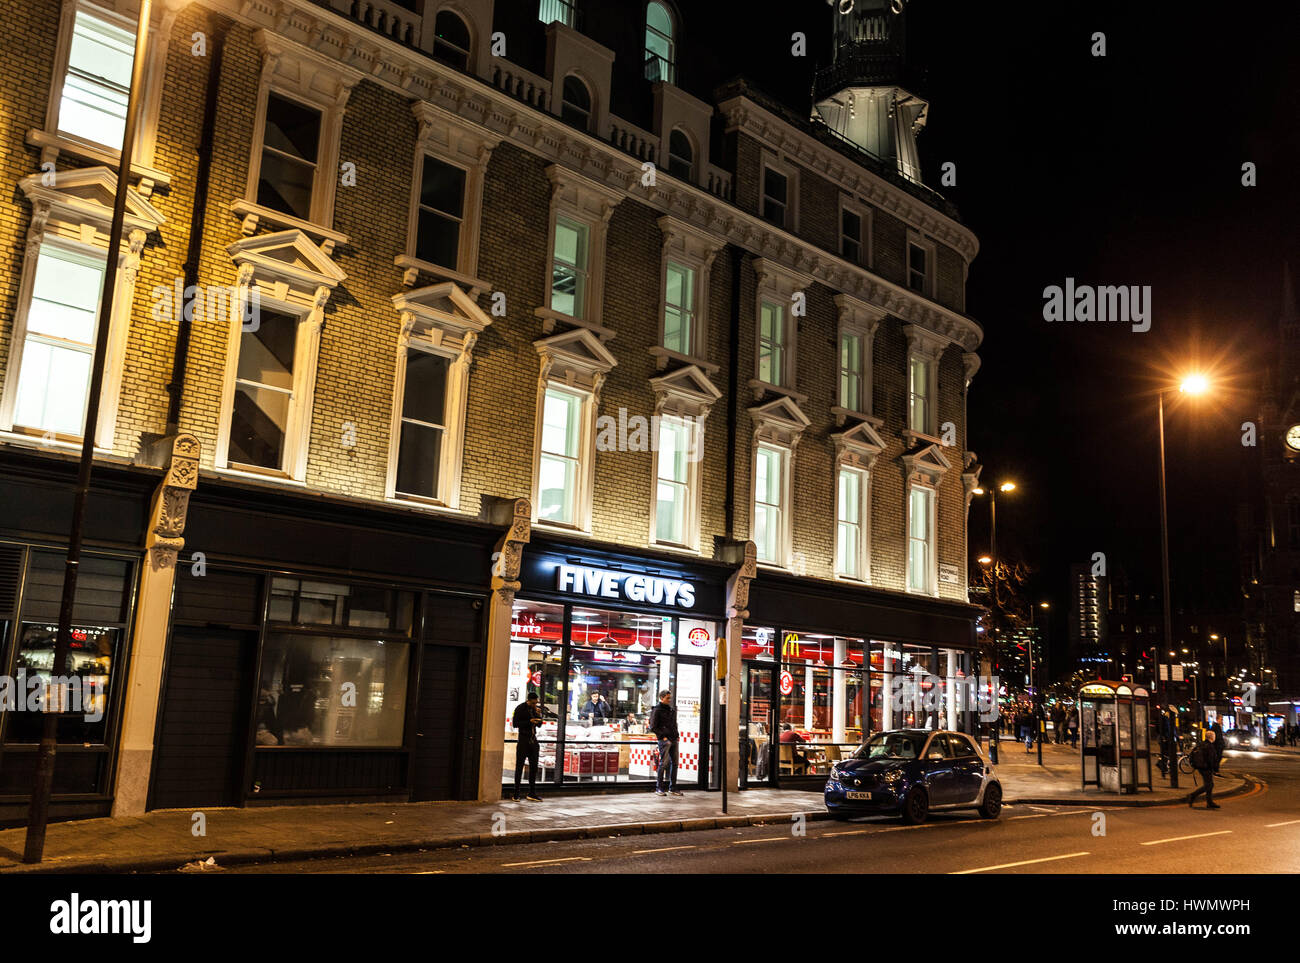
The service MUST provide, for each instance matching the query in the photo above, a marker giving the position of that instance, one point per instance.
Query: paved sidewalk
(163, 840)
(1057, 781)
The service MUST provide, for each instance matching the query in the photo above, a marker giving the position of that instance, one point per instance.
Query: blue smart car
(912, 772)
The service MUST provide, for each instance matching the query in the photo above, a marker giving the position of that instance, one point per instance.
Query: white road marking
(1023, 862)
(542, 862)
(1178, 839)
(428, 872)
(665, 849)
(765, 839)
(848, 832)
(1289, 822)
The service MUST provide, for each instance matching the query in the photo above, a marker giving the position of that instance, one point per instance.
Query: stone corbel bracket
(171, 502)
(509, 554)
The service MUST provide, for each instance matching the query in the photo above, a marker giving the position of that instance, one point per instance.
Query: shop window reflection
(322, 691)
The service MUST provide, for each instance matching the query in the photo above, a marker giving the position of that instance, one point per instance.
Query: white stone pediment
(926, 461)
(444, 307)
(780, 420)
(859, 447)
(686, 391)
(287, 257)
(86, 197)
(577, 358)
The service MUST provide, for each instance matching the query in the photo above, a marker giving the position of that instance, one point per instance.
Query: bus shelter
(1115, 752)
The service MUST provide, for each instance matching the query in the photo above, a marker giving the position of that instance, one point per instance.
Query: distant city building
(1089, 648)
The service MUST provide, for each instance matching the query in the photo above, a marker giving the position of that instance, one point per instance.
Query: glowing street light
(1195, 384)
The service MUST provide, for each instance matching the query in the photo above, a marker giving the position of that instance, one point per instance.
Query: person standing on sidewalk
(663, 723)
(527, 717)
(1202, 759)
(1074, 727)
(1219, 746)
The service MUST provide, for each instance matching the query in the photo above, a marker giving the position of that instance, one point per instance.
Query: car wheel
(916, 806)
(992, 804)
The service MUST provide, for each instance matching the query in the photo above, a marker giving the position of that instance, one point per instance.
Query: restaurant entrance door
(756, 724)
(692, 701)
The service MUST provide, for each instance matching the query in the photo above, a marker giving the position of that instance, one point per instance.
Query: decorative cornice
(413, 73)
(743, 114)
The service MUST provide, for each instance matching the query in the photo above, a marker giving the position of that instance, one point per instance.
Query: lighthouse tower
(863, 96)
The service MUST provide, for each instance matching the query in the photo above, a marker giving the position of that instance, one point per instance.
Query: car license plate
(857, 795)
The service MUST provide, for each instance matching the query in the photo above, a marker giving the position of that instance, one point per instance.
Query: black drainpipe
(733, 363)
(176, 386)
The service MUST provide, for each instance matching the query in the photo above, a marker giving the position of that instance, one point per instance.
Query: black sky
(1123, 169)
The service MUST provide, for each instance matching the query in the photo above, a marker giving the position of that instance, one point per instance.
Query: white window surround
(581, 199)
(693, 248)
(296, 73)
(52, 142)
(931, 262)
(77, 214)
(931, 575)
(454, 141)
(441, 319)
(577, 361)
(862, 543)
(858, 448)
(295, 277)
(777, 424)
(777, 284)
(924, 468)
(772, 161)
(867, 255)
(687, 394)
(928, 347)
(860, 318)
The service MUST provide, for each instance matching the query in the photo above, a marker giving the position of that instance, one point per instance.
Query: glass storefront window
(595, 716)
(92, 650)
(635, 632)
(322, 691)
(304, 602)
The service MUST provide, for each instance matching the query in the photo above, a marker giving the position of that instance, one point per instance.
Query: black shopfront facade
(324, 651)
(598, 632)
(824, 665)
(35, 513)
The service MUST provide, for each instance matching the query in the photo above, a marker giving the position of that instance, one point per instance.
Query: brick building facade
(384, 189)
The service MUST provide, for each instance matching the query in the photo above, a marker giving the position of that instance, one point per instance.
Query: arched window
(660, 43)
(575, 105)
(681, 155)
(451, 42)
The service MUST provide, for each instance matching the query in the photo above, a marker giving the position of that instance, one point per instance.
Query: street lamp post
(993, 588)
(1037, 697)
(1192, 385)
(43, 783)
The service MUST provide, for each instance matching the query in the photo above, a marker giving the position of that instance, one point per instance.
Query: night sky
(1123, 169)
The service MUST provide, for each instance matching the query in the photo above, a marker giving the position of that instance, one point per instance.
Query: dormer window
(681, 155)
(575, 107)
(451, 41)
(660, 43)
(556, 11)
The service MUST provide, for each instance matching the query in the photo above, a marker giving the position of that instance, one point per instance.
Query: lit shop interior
(808, 699)
(598, 673)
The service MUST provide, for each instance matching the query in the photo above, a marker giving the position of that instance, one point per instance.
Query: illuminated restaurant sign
(631, 587)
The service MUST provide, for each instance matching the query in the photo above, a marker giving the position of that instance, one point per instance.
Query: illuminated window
(771, 503)
(98, 82)
(59, 340)
(660, 43)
